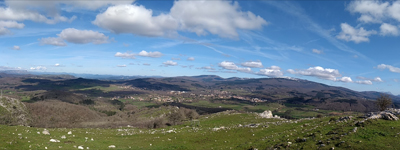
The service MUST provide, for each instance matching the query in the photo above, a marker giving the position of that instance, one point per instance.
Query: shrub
(383, 102)
(319, 116)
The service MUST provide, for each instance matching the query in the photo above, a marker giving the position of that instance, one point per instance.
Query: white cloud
(15, 47)
(371, 11)
(76, 36)
(222, 18)
(388, 29)
(175, 58)
(56, 41)
(142, 53)
(20, 14)
(9, 68)
(38, 68)
(170, 63)
(396, 80)
(4, 25)
(253, 64)
(121, 65)
(319, 72)
(125, 55)
(232, 66)
(190, 58)
(150, 54)
(391, 68)
(136, 20)
(146, 64)
(345, 79)
(206, 68)
(317, 51)
(375, 11)
(273, 71)
(377, 79)
(350, 33)
(57, 65)
(368, 82)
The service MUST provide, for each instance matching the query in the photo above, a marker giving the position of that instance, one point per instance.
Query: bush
(319, 116)
(383, 102)
(87, 102)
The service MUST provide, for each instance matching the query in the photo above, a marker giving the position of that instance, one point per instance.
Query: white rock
(266, 114)
(54, 140)
(69, 132)
(63, 137)
(45, 132)
(111, 146)
(80, 147)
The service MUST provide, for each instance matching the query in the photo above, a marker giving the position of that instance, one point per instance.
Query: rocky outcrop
(268, 114)
(387, 115)
(13, 111)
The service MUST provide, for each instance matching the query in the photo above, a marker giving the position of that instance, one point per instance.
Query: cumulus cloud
(21, 14)
(319, 72)
(4, 25)
(38, 68)
(121, 65)
(273, 71)
(125, 55)
(136, 20)
(376, 79)
(388, 29)
(391, 68)
(170, 63)
(232, 66)
(222, 18)
(57, 65)
(56, 41)
(76, 36)
(253, 64)
(350, 33)
(142, 53)
(368, 82)
(206, 68)
(375, 11)
(190, 59)
(15, 47)
(317, 51)
(345, 79)
(371, 11)
(150, 54)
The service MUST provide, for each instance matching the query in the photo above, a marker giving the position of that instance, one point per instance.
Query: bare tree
(383, 102)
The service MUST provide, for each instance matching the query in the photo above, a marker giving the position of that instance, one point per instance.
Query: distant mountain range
(289, 90)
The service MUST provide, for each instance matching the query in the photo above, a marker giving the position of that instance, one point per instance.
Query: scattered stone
(69, 132)
(45, 132)
(111, 146)
(80, 147)
(63, 137)
(355, 129)
(54, 140)
(267, 114)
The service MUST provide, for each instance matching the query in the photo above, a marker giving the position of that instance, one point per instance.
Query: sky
(353, 44)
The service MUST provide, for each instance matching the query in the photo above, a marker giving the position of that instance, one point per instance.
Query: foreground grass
(217, 131)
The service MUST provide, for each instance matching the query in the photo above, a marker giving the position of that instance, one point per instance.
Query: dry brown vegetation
(56, 114)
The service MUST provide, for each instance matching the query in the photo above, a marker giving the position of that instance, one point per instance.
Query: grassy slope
(377, 134)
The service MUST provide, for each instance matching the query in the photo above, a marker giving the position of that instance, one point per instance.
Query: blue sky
(341, 43)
